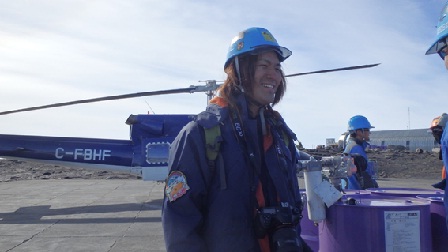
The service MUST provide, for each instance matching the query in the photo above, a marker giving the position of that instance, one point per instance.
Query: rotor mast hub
(209, 88)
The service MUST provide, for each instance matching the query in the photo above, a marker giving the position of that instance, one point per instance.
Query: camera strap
(246, 146)
(260, 197)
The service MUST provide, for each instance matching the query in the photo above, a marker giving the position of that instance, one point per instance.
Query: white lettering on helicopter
(84, 154)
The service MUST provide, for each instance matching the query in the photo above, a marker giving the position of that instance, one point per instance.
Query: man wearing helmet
(437, 126)
(440, 46)
(231, 203)
(359, 129)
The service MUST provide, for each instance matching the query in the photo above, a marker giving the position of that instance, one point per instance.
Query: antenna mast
(409, 118)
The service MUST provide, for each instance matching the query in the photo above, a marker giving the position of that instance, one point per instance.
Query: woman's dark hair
(247, 64)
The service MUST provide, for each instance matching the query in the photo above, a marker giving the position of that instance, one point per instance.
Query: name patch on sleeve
(176, 185)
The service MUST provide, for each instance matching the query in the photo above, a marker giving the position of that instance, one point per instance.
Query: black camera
(280, 224)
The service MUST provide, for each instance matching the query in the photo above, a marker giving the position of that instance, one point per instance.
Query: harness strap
(213, 141)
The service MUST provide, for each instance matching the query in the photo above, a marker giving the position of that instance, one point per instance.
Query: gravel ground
(390, 164)
(15, 170)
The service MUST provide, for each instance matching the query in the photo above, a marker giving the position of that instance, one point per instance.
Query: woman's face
(267, 78)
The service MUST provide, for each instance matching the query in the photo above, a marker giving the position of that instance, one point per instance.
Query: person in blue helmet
(359, 130)
(247, 199)
(438, 125)
(440, 46)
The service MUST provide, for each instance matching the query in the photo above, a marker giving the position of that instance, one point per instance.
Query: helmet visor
(438, 47)
(441, 46)
(442, 54)
(282, 52)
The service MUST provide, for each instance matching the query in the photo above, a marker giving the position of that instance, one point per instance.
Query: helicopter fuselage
(145, 154)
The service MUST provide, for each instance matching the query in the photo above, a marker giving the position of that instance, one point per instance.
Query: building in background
(410, 139)
(396, 139)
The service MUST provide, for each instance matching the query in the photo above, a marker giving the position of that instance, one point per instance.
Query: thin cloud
(58, 52)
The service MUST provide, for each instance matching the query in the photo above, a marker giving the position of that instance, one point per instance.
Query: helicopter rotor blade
(105, 98)
(208, 88)
(334, 70)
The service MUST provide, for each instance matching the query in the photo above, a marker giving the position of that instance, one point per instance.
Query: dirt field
(391, 164)
(15, 170)
(407, 164)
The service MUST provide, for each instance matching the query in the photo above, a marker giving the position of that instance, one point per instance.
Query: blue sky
(58, 51)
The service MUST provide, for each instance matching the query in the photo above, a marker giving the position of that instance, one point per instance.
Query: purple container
(438, 226)
(371, 223)
(310, 231)
(404, 192)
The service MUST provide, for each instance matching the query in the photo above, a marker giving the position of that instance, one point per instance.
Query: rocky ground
(407, 164)
(390, 164)
(14, 170)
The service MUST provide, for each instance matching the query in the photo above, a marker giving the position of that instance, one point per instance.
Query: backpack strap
(285, 138)
(213, 141)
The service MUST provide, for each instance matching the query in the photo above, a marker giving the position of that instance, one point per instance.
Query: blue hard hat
(253, 39)
(358, 122)
(442, 33)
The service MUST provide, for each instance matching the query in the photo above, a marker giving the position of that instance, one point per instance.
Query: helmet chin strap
(240, 84)
(249, 98)
(237, 68)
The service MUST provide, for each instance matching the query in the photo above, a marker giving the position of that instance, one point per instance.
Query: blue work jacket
(444, 147)
(355, 148)
(208, 216)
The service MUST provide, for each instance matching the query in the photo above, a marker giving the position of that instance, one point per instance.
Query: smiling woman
(254, 174)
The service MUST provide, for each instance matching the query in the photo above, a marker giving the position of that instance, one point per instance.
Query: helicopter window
(157, 152)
